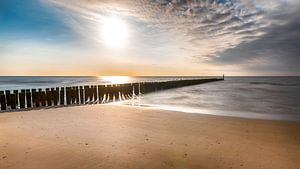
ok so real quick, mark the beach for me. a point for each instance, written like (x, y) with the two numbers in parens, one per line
(114, 136)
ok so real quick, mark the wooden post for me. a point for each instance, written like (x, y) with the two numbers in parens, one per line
(135, 88)
(13, 101)
(28, 98)
(73, 95)
(7, 94)
(121, 88)
(110, 92)
(117, 92)
(142, 87)
(100, 97)
(81, 95)
(56, 96)
(2, 101)
(49, 96)
(125, 90)
(86, 94)
(35, 99)
(16, 92)
(114, 91)
(90, 94)
(95, 94)
(42, 97)
(105, 92)
(77, 94)
(68, 95)
(62, 96)
(22, 99)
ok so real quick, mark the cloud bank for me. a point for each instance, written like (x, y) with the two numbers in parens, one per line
(259, 34)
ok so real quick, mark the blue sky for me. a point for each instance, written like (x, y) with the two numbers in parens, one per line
(31, 20)
(161, 37)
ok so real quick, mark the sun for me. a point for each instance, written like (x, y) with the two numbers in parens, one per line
(114, 32)
(116, 79)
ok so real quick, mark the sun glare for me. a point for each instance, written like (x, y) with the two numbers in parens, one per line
(116, 79)
(114, 32)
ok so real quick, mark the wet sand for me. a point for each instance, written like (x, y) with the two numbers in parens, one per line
(110, 136)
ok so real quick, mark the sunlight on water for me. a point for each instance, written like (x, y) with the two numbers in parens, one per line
(116, 79)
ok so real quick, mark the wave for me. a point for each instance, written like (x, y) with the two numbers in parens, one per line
(274, 84)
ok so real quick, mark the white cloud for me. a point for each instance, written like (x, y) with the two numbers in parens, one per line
(205, 28)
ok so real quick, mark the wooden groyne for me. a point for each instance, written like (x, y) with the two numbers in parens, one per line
(93, 94)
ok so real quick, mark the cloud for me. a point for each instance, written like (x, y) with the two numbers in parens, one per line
(276, 50)
(206, 31)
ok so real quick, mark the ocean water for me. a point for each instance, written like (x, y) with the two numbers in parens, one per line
(276, 98)
(28, 82)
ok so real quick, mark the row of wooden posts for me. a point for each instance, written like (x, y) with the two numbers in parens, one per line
(94, 94)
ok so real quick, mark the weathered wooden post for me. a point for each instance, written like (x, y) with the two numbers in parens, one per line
(49, 96)
(95, 94)
(62, 96)
(116, 92)
(86, 94)
(90, 93)
(22, 99)
(135, 88)
(73, 95)
(81, 95)
(68, 95)
(105, 92)
(100, 94)
(142, 87)
(13, 102)
(7, 94)
(35, 99)
(16, 92)
(77, 94)
(2, 101)
(56, 96)
(42, 95)
(119, 92)
(126, 90)
(110, 92)
(28, 98)
(72, 91)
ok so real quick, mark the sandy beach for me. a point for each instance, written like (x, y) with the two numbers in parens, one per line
(111, 136)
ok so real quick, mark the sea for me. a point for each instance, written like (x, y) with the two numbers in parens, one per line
(270, 98)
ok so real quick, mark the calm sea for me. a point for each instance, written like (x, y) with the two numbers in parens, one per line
(276, 98)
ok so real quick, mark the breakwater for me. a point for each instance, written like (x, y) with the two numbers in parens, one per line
(92, 94)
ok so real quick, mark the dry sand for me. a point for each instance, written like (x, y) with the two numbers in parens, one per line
(109, 136)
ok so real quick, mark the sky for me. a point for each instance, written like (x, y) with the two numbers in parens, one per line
(150, 37)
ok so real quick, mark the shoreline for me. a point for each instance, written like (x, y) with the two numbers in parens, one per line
(216, 112)
(182, 109)
(117, 136)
